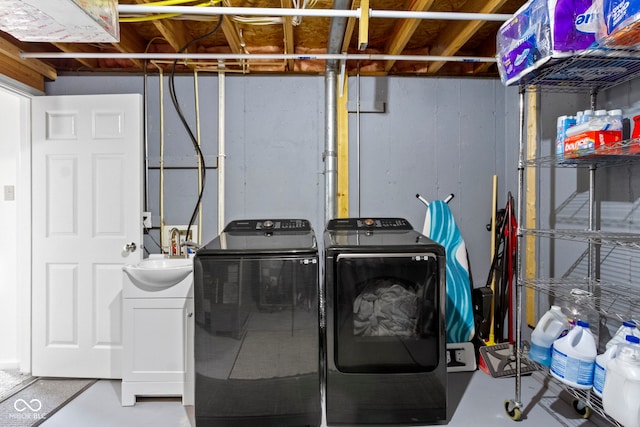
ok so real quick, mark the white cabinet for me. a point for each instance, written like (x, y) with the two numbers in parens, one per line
(158, 343)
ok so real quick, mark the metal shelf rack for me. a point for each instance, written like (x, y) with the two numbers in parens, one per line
(590, 72)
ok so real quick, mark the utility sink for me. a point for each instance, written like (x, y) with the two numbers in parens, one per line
(159, 273)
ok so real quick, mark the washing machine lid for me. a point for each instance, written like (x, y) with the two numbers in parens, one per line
(264, 235)
(373, 232)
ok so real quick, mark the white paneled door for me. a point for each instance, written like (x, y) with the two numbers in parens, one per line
(87, 204)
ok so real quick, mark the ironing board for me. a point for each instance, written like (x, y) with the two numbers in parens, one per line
(440, 226)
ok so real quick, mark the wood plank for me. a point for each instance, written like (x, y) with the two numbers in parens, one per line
(287, 27)
(131, 42)
(16, 70)
(363, 28)
(404, 31)
(351, 26)
(343, 149)
(531, 218)
(10, 50)
(231, 33)
(172, 31)
(488, 49)
(91, 63)
(456, 34)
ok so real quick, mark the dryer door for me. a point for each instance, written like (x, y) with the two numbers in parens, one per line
(387, 317)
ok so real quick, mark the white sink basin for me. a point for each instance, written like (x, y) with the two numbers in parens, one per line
(159, 273)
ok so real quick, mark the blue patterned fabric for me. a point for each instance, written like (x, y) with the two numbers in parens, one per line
(440, 226)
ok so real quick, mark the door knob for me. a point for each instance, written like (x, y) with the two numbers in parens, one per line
(130, 247)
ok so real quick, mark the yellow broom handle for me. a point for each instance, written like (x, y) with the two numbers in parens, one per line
(494, 206)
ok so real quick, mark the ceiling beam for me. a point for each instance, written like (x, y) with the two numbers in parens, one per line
(455, 35)
(404, 30)
(231, 33)
(91, 63)
(351, 26)
(10, 50)
(172, 31)
(287, 27)
(487, 49)
(130, 42)
(16, 69)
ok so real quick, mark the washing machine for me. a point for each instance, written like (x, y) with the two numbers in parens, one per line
(384, 331)
(256, 297)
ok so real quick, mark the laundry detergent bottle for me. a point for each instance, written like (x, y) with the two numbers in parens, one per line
(573, 357)
(621, 393)
(551, 326)
(600, 368)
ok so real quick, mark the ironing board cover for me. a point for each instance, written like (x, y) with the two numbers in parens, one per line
(440, 226)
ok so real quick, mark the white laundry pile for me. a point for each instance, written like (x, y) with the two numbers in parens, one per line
(385, 308)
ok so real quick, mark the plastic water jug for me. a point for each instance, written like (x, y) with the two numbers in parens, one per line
(621, 393)
(581, 306)
(550, 327)
(628, 327)
(564, 123)
(616, 119)
(600, 369)
(573, 357)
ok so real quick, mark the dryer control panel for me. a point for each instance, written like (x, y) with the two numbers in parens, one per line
(369, 224)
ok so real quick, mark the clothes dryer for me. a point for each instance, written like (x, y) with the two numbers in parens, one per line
(384, 333)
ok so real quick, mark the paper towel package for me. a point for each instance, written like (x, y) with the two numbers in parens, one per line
(620, 26)
(541, 31)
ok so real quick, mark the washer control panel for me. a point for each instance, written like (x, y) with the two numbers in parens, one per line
(369, 224)
(262, 225)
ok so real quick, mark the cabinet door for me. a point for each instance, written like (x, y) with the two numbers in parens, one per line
(154, 339)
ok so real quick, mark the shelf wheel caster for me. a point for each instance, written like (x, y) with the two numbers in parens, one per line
(513, 410)
(581, 408)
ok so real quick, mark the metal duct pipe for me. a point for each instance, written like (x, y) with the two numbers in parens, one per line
(330, 156)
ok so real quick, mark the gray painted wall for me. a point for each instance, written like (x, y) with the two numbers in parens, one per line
(436, 136)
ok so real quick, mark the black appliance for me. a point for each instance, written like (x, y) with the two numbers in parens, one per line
(257, 339)
(385, 344)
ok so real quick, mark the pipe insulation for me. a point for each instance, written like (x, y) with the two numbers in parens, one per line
(336, 12)
(249, 56)
(221, 151)
(196, 92)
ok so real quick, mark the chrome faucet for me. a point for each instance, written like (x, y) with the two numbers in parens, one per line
(174, 242)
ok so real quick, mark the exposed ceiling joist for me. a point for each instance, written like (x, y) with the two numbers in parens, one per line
(408, 37)
(130, 41)
(404, 30)
(79, 47)
(287, 27)
(173, 32)
(351, 26)
(231, 33)
(457, 34)
(10, 50)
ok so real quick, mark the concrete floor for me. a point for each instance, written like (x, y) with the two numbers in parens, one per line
(475, 399)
